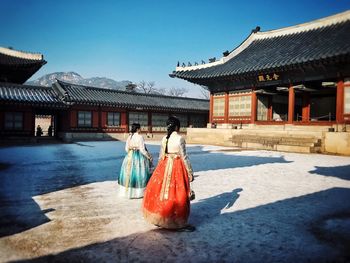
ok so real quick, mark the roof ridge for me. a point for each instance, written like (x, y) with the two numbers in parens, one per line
(21, 54)
(129, 93)
(25, 85)
(314, 24)
(303, 27)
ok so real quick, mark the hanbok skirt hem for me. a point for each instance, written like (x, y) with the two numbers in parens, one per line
(130, 192)
(134, 175)
(166, 200)
(168, 223)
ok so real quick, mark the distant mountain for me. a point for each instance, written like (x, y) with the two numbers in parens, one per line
(73, 77)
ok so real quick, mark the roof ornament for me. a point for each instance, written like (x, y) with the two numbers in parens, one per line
(178, 64)
(196, 63)
(226, 53)
(256, 30)
(213, 59)
(189, 64)
(183, 65)
(203, 62)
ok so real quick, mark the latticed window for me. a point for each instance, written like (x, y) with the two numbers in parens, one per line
(14, 120)
(347, 100)
(113, 119)
(262, 108)
(159, 121)
(219, 107)
(139, 117)
(240, 105)
(84, 119)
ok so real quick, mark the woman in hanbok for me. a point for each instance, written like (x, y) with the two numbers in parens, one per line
(135, 170)
(166, 201)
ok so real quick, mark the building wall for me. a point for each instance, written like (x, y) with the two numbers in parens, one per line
(27, 121)
(100, 129)
(310, 103)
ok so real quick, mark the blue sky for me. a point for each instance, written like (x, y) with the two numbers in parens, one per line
(143, 40)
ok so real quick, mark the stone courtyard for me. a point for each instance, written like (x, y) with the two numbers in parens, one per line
(59, 203)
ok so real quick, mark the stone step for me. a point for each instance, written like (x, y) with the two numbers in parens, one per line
(286, 144)
(275, 140)
(297, 134)
(294, 148)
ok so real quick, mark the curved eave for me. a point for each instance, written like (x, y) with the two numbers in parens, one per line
(57, 105)
(280, 67)
(220, 69)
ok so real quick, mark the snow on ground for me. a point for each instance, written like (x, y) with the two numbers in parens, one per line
(59, 203)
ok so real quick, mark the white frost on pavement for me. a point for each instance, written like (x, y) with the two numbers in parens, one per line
(251, 206)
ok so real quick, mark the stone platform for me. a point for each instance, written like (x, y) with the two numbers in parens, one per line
(287, 138)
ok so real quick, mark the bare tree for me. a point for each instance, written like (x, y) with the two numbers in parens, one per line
(150, 86)
(178, 92)
(146, 87)
(142, 86)
(205, 92)
(160, 91)
(131, 87)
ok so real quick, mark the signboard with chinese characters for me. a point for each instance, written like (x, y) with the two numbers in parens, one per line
(268, 77)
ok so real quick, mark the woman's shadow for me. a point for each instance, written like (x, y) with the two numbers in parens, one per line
(206, 210)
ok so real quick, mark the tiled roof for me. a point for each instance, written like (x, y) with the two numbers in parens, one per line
(89, 95)
(17, 66)
(11, 93)
(326, 39)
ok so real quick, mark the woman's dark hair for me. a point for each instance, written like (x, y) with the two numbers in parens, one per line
(134, 128)
(172, 124)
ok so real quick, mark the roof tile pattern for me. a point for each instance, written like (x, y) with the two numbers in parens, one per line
(90, 95)
(75, 94)
(28, 94)
(277, 52)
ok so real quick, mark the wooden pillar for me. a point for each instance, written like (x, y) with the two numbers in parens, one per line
(104, 116)
(306, 107)
(99, 118)
(226, 108)
(32, 118)
(340, 102)
(150, 122)
(189, 121)
(269, 109)
(73, 119)
(211, 108)
(124, 121)
(291, 104)
(28, 122)
(95, 119)
(254, 105)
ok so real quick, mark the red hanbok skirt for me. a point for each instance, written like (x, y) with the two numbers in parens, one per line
(166, 199)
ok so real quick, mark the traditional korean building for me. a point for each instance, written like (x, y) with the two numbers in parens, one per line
(283, 87)
(105, 113)
(79, 112)
(298, 75)
(18, 66)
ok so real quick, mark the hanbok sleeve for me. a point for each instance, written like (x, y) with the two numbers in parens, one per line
(186, 159)
(127, 143)
(143, 148)
(162, 149)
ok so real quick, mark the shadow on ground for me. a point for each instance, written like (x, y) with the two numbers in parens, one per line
(275, 232)
(342, 172)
